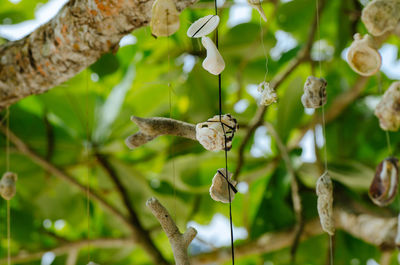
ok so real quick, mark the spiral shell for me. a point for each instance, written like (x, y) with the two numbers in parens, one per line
(164, 18)
(314, 92)
(219, 187)
(268, 95)
(324, 191)
(210, 134)
(381, 16)
(388, 109)
(383, 188)
(363, 56)
(7, 185)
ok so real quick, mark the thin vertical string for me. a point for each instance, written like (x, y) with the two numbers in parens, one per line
(263, 47)
(8, 202)
(225, 149)
(171, 150)
(88, 166)
(8, 233)
(7, 139)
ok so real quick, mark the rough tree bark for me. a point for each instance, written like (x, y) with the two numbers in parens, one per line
(74, 39)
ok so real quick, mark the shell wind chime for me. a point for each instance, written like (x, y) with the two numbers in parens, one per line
(219, 187)
(268, 94)
(314, 92)
(8, 185)
(381, 17)
(164, 18)
(363, 55)
(388, 108)
(256, 4)
(324, 189)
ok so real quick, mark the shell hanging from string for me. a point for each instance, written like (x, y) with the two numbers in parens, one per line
(314, 92)
(381, 16)
(8, 185)
(164, 18)
(219, 187)
(383, 188)
(363, 55)
(397, 239)
(388, 108)
(268, 94)
(203, 26)
(256, 4)
(211, 136)
(324, 189)
(213, 63)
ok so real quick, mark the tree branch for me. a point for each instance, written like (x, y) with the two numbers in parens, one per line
(179, 242)
(74, 39)
(151, 128)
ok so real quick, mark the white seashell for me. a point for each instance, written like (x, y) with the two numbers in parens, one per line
(210, 134)
(219, 187)
(363, 57)
(7, 185)
(268, 95)
(388, 109)
(381, 16)
(213, 63)
(203, 26)
(314, 92)
(324, 191)
(164, 18)
(383, 188)
(256, 4)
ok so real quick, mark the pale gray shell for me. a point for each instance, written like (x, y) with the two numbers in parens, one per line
(324, 189)
(210, 134)
(268, 94)
(219, 187)
(363, 56)
(7, 185)
(164, 18)
(314, 92)
(381, 16)
(388, 109)
(203, 26)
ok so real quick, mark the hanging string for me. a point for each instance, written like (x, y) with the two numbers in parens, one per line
(8, 233)
(263, 48)
(86, 154)
(7, 119)
(225, 140)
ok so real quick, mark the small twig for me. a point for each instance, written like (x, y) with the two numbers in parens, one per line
(179, 242)
(151, 128)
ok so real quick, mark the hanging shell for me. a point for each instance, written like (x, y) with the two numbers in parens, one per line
(314, 92)
(383, 188)
(219, 187)
(381, 16)
(210, 134)
(324, 191)
(363, 56)
(388, 109)
(268, 95)
(213, 63)
(203, 26)
(7, 185)
(164, 18)
(397, 240)
(256, 4)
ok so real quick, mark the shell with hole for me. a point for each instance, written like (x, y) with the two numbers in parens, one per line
(324, 191)
(381, 16)
(256, 4)
(210, 134)
(219, 187)
(314, 92)
(383, 188)
(213, 63)
(363, 56)
(388, 108)
(7, 185)
(203, 26)
(164, 18)
(268, 94)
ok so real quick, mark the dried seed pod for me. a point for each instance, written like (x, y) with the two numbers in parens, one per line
(381, 16)
(383, 188)
(219, 187)
(256, 4)
(397, 240)
(324, 190)
(7, 185)
(213, 63)
(314, 92)
(388, 109)
(268, 95)
(363, 56)
(210, 134)
(164, 18)
(203, 26)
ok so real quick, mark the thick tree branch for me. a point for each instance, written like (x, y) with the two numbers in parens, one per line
(151, 128)
(79, 34)
(179, 242)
